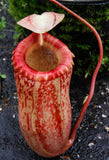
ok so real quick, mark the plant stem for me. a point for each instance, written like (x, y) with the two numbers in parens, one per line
(41, 39)
(78, 121)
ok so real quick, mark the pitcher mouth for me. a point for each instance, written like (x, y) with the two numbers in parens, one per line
(42, 61)
(42, 58)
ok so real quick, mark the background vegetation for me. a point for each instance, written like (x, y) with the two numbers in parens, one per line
(72, 32)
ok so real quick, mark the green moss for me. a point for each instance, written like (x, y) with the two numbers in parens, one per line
(72, 32)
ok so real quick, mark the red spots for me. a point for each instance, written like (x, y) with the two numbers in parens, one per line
(28, 125)
(44, 112)
(22, 105)
(47, 117)
(44, 104)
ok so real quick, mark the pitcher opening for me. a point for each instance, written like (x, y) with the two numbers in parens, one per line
(41, 59)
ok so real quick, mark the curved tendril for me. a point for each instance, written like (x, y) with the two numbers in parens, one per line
(92, 87)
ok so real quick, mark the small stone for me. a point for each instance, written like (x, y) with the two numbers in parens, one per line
(91, 156)
(102, 93)
(107, 89)
(104, 116)
(91, 144)
(101, 122)
(13, 116)
(79, 140)
(80, 127)
(96, 126)
(71, 107)
(4, 59)
(99, 106)
(78, 155)
(107, 128)
(99, 137)
(0, 109)
(15, 97)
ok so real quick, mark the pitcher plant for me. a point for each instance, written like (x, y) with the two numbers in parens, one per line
(43, 68)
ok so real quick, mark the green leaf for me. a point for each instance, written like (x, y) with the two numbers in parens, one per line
(2, 23)
(2, 76)
(86, 75)
(2, 35)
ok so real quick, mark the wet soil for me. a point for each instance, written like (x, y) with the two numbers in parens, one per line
(92, 139)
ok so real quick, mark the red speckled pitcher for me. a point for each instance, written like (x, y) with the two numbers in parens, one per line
(42, 75)
(42, 68)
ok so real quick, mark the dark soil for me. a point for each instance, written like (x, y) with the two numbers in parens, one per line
(92, 139)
